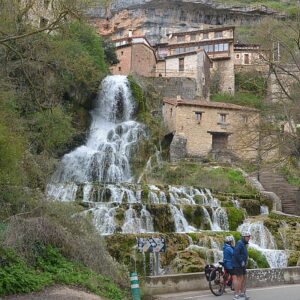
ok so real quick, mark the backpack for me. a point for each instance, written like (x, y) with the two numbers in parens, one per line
(207, 271)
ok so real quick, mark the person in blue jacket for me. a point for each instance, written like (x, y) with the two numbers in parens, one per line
(228, 253)
(240, 258)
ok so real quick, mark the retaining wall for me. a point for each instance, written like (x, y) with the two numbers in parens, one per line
(155, 285)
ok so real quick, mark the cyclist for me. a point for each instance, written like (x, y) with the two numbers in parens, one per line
(240, 257)
(228, 253)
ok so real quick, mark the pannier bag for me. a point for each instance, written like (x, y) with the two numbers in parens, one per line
(207, 271)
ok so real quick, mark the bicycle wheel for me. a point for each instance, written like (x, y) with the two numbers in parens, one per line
(216, 282)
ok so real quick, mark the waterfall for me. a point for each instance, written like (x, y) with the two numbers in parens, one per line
(181, 223)
(220, 219)
(103, 219)
(263, 241)
(135, 224)
(216, 249)
(105, 156)
(264, 210)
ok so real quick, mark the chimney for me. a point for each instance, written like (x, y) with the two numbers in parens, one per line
(130, 33)
(178, 97)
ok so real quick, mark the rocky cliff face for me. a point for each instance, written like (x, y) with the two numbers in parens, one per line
(156, 18)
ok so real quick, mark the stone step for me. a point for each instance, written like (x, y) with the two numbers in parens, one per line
(288, 194)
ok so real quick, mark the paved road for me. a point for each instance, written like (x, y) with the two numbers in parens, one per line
(284, 292)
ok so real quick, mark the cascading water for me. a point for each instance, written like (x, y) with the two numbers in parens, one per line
(98, 173)
(105, 156)
(263, 241)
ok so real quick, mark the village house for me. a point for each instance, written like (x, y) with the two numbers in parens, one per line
(201, 128)
(194, 64)
(250, 57)
(135, 55)
(217, 43)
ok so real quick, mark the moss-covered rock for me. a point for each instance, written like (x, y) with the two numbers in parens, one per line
(189, 261)
(162, 218)
(252, 206)
(195, 216)
(293, 259)
(235, 217)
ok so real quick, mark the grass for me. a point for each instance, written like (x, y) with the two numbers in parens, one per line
(16, 276)
(221, 179)
(240, 98)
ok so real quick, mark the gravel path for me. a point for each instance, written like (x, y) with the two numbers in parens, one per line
(57, 293)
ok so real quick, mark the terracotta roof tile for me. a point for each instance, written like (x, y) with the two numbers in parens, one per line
(211, 104)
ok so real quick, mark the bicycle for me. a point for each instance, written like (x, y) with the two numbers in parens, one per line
(219, 278)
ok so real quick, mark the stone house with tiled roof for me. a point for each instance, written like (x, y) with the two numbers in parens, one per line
(200, 128)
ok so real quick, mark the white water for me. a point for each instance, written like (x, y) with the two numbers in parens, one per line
(263, 241)
(98, 172)
(105, 156)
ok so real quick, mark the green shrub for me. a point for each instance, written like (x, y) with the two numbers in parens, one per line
(235, 217)
(53, 129)
(51, 267)
(259, 258)
(17, 277)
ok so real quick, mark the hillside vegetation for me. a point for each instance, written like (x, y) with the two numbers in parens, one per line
(282, 6)
(48, 80)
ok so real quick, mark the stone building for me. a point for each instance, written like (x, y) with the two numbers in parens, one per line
(250, 57)
(217, 43)
(135, 55)
(201, 128)
(194, 64)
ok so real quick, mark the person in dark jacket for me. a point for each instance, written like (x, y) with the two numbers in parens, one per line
(240, 258)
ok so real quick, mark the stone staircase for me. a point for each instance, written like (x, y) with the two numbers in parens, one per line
(289, 195)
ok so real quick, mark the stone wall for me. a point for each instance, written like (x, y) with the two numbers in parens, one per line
(124, 65)
(196, 65)
(155, 285)
(135, 58)
(225, 70)
(143, 60)
(178, 148)
(173, 87)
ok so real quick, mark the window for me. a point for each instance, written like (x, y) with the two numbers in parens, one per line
(205, 36)
(193, 37)
(237, 56)
(122, 52)
(120, 68)
(180, 38)
(205, 47)
(171, 112)
(218, 34)
(222, 118)
(198, 116)
(219, 47)
(246, 59)
(210, 48)
(181, 64)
